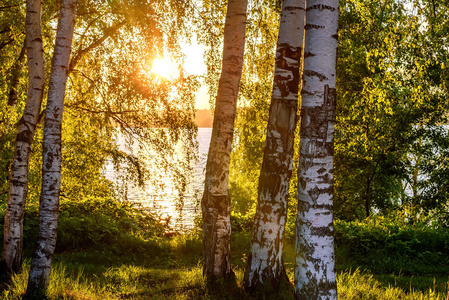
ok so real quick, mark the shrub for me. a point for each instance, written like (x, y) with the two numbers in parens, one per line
(97, 223)
(386, 246)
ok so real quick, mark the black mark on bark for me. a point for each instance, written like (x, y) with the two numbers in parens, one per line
(322, 231)
(312, 26)
(309, 54)
(312, 73)
(315, 123)
(286, 77)
(321, 7)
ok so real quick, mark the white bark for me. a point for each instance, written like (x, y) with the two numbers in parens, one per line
(18, 183)
(315, 264)
(51, 164)
(216, 204)
(265, 269)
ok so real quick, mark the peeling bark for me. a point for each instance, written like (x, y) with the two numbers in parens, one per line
(315, 263)
(51, 156)
(216, 204)
(18, 183)
(265, 268)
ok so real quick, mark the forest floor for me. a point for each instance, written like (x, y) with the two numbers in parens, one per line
(113, 250)
(174, 272)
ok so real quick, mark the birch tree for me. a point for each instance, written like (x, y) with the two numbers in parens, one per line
(13, 228)
(216, 204)
(315, 263)
(51, 156)
(265, 267)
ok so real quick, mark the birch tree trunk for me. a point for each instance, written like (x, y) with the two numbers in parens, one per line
(216, 204)
(51, 157)
(315, 263)
(18, 182)
(265, 269)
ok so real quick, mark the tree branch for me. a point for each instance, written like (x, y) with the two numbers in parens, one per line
(9, 6)
(3, 45)
(107, 33)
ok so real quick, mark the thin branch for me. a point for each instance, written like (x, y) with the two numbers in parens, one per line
(102, 111)
(10, 6)
(107, 33)
(84, 34)
(3, 45)
(7, 29)
(87, 13)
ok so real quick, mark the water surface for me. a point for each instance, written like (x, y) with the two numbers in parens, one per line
(160, 194)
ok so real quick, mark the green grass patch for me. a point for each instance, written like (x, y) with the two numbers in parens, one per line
(108, 249)
(363, 285)
(140, 282)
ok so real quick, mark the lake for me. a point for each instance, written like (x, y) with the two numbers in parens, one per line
(162, 197)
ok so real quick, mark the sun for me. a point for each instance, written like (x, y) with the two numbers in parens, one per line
(164, 67)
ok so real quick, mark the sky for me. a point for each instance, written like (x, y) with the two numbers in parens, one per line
(194, 65)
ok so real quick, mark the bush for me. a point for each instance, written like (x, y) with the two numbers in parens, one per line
(97, 223)
(385, 246)
(242, 222)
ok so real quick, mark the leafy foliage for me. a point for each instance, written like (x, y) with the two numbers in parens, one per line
(389, 100)
(111, 92)
(385, 246)
(97, 224)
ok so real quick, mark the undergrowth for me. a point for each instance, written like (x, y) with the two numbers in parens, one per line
(108, 249)
(137, 282)
(391, 247)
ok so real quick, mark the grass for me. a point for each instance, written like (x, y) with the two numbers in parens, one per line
(108, 250)
(125, 282)
(175, 272)
(139, 282)
(363, 285)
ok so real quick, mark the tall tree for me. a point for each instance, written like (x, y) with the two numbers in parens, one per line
(315, 262)
(256, 87)
(376, 109)
(216, 203)
(265, 269)
(13, 228)
(51, 156)
(98, 28)
(392, 96)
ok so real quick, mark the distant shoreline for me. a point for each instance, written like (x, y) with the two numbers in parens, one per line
(204, 118)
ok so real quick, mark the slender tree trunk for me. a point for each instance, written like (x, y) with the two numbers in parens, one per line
(216, 204)
(15, 74)
(315, 263)
(415, 175)
(265, 270)
(51, 157)
(18, 183)
(16, 71)
(368, 195)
